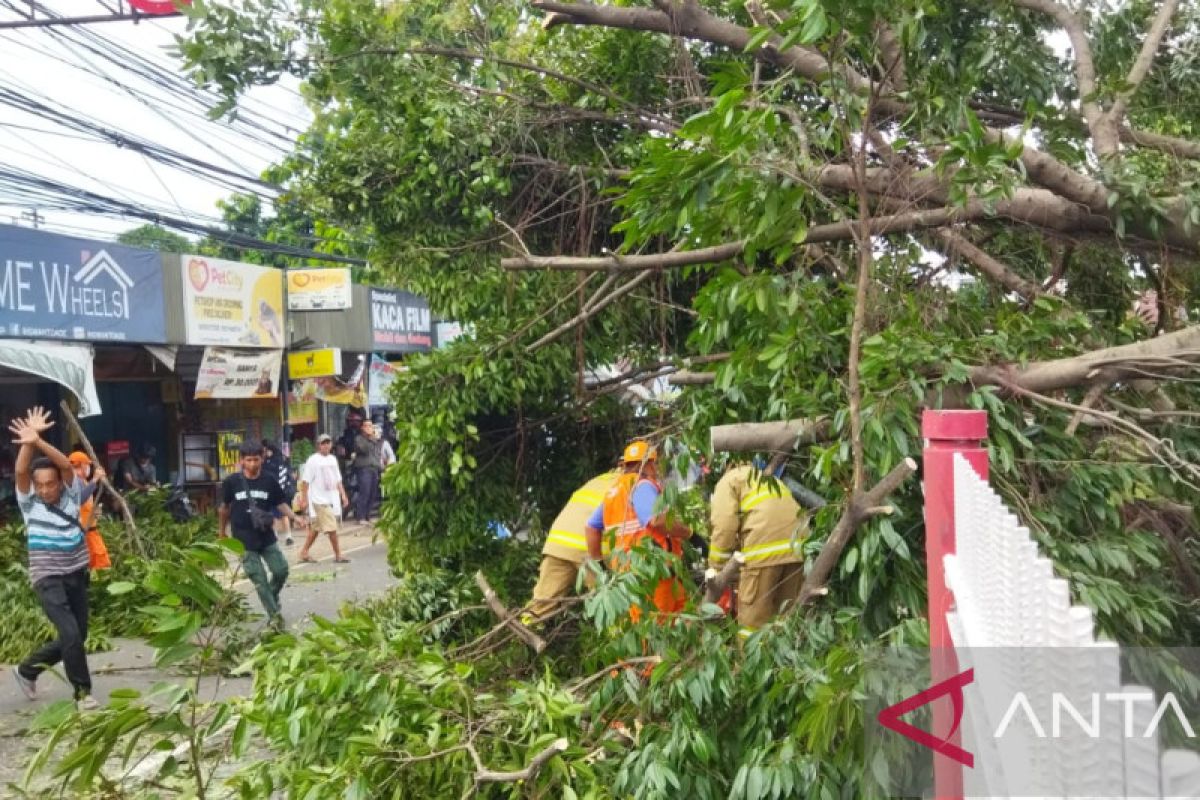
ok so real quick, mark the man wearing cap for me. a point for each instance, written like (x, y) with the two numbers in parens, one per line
(628, 510)
(322, 493)
(758, 517)
(566, 547)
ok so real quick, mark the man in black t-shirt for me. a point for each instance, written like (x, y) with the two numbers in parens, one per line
(247, 501)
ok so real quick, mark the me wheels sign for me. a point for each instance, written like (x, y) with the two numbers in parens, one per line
(60, 287)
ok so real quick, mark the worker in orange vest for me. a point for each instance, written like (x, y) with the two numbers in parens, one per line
(628, 511)
(566, 548)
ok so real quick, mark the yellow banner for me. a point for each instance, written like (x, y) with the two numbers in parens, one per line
(229, 454)
(315, 363)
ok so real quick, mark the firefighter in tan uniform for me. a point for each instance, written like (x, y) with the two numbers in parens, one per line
(566, 548)
(758, 517)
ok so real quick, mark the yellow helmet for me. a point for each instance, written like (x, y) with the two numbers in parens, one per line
(638, 451)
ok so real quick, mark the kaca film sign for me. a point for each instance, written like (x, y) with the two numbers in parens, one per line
(400, 322)
(60, 287)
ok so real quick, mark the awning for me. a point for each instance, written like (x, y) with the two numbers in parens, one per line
(69, 365)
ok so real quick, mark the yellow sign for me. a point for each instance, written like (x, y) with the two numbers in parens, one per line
(315, 363)
(229, 454)
(301, 412)
(318, 289)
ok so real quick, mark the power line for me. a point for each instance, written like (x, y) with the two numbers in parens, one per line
(64, 197)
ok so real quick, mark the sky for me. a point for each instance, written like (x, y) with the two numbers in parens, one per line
(50, 65)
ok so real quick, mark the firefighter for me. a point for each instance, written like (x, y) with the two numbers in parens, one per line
(628, 509)
(566, 548)
(758, 516)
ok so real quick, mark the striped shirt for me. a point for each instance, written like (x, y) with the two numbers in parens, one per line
(56, 546)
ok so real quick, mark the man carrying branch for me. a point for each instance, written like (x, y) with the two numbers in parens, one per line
(49, 495)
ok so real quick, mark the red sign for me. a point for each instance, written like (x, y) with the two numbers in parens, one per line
(158, 6)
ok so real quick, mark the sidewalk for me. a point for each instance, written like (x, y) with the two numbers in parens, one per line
(313, 589)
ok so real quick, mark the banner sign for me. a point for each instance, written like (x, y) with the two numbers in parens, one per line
(229, 456)
(231, 303)
(60, 287)
(400, 322)
(318, 289)
(301, 412)
(331, 390)
(315, 363)
(231, 374)
(382, 376)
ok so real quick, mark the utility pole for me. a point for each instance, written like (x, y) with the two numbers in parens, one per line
(34, 217)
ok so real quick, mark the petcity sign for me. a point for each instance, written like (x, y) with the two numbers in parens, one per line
(231, 303)
(400, 322)
(61, 287)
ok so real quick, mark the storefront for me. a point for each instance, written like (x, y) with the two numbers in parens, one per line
(75, 316)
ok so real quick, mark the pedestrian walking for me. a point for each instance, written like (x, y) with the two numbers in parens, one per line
(367, 460)
(247, 499)
(49, 496)
(275, 464)
(321, 492)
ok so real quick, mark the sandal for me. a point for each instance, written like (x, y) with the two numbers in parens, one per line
(307, 560)
(341, 561)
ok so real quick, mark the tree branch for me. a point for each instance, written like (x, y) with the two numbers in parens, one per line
(483, 775)
(595, 307)
(748, 437)
(862, 506)
(506, 617)
(1085, 69)
(987, 264)
(1141, 66)
(1117, 363)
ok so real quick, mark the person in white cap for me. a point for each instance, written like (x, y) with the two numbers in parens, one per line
(322, 479)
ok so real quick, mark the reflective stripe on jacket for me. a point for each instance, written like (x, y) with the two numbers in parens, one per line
(566, 539)
(758, 517)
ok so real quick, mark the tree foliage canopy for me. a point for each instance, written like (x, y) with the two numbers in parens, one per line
(856, 209)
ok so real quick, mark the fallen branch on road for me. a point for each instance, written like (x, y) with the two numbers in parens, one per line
(508, 618)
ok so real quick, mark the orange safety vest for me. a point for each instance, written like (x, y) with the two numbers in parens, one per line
(619, 514)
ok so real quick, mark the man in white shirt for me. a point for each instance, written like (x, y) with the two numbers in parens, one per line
(322, 478)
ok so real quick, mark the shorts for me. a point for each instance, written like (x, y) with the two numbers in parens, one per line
(276, 513)
(326, 520)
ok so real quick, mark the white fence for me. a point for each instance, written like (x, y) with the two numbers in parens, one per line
(1007, 596)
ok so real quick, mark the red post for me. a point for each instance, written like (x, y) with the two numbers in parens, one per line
(946, 433)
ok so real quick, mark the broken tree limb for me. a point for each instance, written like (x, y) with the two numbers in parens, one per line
(716, 583)
(595, 307)
(1168, 355)
(862, 506)
(484, 775)
(130, 525)
(686, 377)
(506, 617)
(747, 437)
(988, 264)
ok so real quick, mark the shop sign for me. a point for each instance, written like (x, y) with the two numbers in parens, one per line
(315, 363)
(318, 289)
(447, 332)
(382, 376)
(238, 374)
(229, 455)
(230, 303)
(400, 322)
(60, 287)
